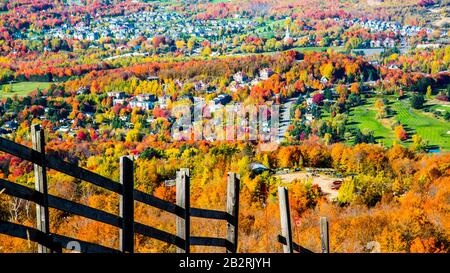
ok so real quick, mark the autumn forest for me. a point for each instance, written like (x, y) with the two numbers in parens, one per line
(357, 94)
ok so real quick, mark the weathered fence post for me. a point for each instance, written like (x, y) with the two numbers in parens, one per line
(285, 219)
(40, 176)
(233, 188)
(126, 233)
(182, 198)
(324, 235)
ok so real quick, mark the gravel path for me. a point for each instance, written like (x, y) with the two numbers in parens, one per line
(324, 181)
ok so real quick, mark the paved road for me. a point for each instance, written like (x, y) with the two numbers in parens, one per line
(285, 117)
(132, 54)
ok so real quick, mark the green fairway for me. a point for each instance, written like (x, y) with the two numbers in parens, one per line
(316, 49)
(440, 108)
(364, 118)
(430, 128)
(434, 130)
(264, 32)
(23, 88)
(319, 49)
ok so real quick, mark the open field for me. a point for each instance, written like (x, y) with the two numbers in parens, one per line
(23, 88)
(323, 181)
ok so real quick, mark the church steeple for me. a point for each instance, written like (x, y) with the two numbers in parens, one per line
(287, 35)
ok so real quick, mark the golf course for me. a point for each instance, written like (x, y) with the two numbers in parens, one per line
(432, 129)
(22, 88)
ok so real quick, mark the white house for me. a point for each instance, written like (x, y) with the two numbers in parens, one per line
(144, 105)
(239, 77)
(375, 43)
(265, 73)
(389, 43)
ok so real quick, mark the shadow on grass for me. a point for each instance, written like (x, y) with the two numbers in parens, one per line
(352, 123)
(427, 107)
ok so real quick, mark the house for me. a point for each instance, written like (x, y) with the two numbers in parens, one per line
(424, 46)
(64, 129)
(265, 73)
(254, 82)
(222, 99)
(375, 43)
(403, 43)
(389, 43)
(82, 91)
(233, 87)
(4, 132)
(89, 114)
(118, 101)
(218, 103)
(146, 97)
(12, 125)
(152, 78)
(163, 101)
(393, 66)
(117, 95)
(199, 101)
(92, 36)
(324, 80)
(257, 168)
(200, 85)
(239, 77)
(211, 90)
(144, 105)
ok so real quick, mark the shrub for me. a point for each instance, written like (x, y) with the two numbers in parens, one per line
(417, 101)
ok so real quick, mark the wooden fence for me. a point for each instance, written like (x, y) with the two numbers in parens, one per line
(289, 246)
(51, 242)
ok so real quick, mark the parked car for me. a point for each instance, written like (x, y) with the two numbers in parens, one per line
(336, 185)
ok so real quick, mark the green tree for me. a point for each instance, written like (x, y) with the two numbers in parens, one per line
(417, 101)
(448, 91)
(150, 153)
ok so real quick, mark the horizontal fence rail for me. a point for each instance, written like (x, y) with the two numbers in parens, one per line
(26, 233)
(209, 214)
(55, 202)
(59, 165)
(48, 242)
(209, 241)
(53, 241)
(295, 247)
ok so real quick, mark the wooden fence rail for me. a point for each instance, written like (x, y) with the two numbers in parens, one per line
(289, 246)
(50, 242)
